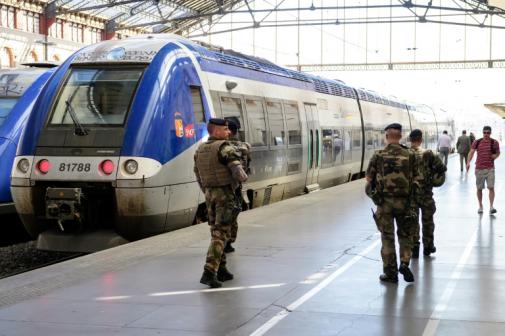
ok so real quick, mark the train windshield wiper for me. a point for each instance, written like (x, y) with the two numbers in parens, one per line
(79, 129)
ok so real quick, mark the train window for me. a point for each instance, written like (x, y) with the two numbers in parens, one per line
(276, 123)
(96, 96)
(347, 145)
(369, 138)
(198, 110)
(356, 138)
(232, 108)
(338, 146)
(293, 123)
(257, 122)
(327, 148)
(6, 105)
(376, 139)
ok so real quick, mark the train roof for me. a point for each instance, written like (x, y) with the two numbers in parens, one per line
(145, 48)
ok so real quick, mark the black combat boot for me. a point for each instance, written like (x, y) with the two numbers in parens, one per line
(209, 279)
(223, 274)
(406, 272)
(429, 250)
(388, 278)
(228, 248)
(415, 251)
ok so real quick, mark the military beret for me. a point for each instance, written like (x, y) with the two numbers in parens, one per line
(416, 134)
(233, 124)
(395, 126)
(218, 121)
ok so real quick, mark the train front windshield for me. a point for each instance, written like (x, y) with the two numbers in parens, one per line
(6, 106)
(96, 96)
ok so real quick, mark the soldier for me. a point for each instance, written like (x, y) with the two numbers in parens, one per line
(245, 150)
(431, 173)
(218, 170)
(390, 183)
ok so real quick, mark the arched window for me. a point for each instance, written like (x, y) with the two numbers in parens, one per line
(7, 57)
(33, 56)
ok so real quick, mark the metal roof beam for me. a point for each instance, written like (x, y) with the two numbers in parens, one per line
(103, 5)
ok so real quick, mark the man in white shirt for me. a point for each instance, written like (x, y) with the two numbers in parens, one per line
(444, 146)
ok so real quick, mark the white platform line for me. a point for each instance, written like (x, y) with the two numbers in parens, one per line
(434, 321)
(290, 308)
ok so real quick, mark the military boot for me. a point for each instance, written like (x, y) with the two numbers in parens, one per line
(388, 278)
(228, 248)
(223, 274)
(429, 250)
(406, 272)
(389, 275)
(209, 279)
(415, 251)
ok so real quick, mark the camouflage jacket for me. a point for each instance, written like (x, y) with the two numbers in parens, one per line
(431, 170)
(393, 171)
(245, 151)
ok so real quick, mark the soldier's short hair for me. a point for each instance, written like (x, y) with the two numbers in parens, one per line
(213, 122)
(233, 124)
(394, 133)
(416, 135)
(487, 128)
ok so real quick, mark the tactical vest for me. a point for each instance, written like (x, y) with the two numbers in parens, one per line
(395, 167)
(212, 172)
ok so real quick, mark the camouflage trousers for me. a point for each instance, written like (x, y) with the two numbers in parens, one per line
(391, 210)
(236, 212)
(220, 206)
(427, 208)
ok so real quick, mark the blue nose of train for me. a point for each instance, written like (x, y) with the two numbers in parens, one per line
(7, 154)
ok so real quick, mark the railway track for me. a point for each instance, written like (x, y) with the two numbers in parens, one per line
(24, 257)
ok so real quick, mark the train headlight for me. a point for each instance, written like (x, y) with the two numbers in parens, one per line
(131, 166)
(24, 165)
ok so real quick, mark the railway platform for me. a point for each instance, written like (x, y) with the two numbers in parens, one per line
(304, 266)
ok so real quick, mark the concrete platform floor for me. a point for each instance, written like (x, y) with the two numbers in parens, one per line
(305, 266)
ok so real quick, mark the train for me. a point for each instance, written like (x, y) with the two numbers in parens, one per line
(18, 90)
(107, 154)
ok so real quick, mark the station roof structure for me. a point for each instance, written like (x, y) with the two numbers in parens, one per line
(185, 16)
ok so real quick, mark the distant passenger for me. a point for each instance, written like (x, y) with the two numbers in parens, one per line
(245, 158)
(431, 174)
(444, 146)
(463, 147)
(218, 170)
(472, 137)
(488, 150)
(390, 183)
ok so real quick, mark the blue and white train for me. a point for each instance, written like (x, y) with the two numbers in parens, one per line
(108, 152)
(18, 92)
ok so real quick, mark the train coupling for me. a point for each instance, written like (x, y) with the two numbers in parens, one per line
(63, 204)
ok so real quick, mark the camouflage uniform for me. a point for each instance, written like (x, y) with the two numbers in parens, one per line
(393, 171)
(220, 201)
(245, 159)
(428, 163)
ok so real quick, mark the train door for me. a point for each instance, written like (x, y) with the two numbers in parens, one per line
(313, 145)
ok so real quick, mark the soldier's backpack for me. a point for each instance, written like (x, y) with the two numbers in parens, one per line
(393, 180)
(436, 167)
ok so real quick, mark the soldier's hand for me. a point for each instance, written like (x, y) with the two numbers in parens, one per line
(468, 166)
(238, 172)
